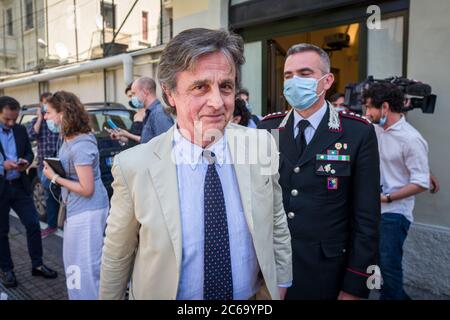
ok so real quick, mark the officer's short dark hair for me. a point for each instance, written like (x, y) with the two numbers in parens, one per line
(9, 103)
(308, 47)
(385, 92)
(336, 96)
(45, 95)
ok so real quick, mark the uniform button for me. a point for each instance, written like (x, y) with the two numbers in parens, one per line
(343, 250)
(297, 169)
(291, 215)
(294, 192)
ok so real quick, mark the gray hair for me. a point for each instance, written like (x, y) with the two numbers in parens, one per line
(307, 47)
(183, 51)
(147, 84)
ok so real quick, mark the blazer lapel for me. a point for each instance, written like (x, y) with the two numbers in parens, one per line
(19, 146)
(240, 153)
(164, 175)
(322, 139)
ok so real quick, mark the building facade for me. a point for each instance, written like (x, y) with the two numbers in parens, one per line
(45, 42)
(382, 38)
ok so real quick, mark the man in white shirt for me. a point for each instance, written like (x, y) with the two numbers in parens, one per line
(404, 173)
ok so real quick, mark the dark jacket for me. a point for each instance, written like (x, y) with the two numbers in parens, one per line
(333, 207)
(24, 151)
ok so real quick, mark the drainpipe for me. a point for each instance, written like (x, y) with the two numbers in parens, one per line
(94, 65)
(75, 28)
(128, 72)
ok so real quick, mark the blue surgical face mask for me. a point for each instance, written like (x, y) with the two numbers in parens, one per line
(248, 106)
(383, 120)
(52, 126)
(301, 93)
(44, 107)
(138, 104)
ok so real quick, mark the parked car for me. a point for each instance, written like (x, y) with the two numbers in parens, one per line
(99, 113)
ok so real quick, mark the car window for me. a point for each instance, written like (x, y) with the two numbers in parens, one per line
(98, 120)
(26, 119)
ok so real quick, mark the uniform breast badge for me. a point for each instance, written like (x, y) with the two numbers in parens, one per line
(332, 183)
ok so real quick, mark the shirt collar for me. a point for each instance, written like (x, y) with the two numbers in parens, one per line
(2, 129)
(187, 152)
(398, 125)
(314, 119)
(150, 107)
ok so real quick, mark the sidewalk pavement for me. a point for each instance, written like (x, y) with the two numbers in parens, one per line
(35, 288)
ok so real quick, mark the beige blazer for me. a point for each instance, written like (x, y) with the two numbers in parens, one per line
(143, 234)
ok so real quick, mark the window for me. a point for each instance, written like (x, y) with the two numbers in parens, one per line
(98, 120)
(108, 12)
(9, 22)
(389, 61)
(144, 26)
(29, 22)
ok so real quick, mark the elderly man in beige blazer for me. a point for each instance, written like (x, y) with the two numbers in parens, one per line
(197, 212)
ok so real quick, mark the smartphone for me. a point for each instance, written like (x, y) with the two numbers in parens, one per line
(112, 124)
(22, 163)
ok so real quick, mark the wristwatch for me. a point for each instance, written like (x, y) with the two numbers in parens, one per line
(388, 197)
(56, 176)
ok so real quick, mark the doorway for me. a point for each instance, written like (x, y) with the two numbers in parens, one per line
(340, 42)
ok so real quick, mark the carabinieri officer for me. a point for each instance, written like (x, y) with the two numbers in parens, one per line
(329, 173)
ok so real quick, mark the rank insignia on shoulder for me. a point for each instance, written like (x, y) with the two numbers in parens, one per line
(274, 115)
(332, 183)
(355, 116)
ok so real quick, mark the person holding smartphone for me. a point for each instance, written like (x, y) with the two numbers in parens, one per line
(15, 193)
(82, 191)
(46, 136)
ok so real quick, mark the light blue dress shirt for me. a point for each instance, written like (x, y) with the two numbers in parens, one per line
(191, 172)
(156, 121)
(314, 122)
(9, 147)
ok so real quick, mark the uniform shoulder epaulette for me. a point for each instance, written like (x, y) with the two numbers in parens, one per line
(355, 116)
(274, 115)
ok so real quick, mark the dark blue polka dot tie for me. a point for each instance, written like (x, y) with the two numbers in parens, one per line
(218, 281)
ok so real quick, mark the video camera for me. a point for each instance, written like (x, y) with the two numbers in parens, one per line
(417, 94)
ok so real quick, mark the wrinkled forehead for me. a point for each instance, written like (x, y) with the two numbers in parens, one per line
(214, 62)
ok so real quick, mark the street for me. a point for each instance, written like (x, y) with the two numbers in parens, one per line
(35, 288)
